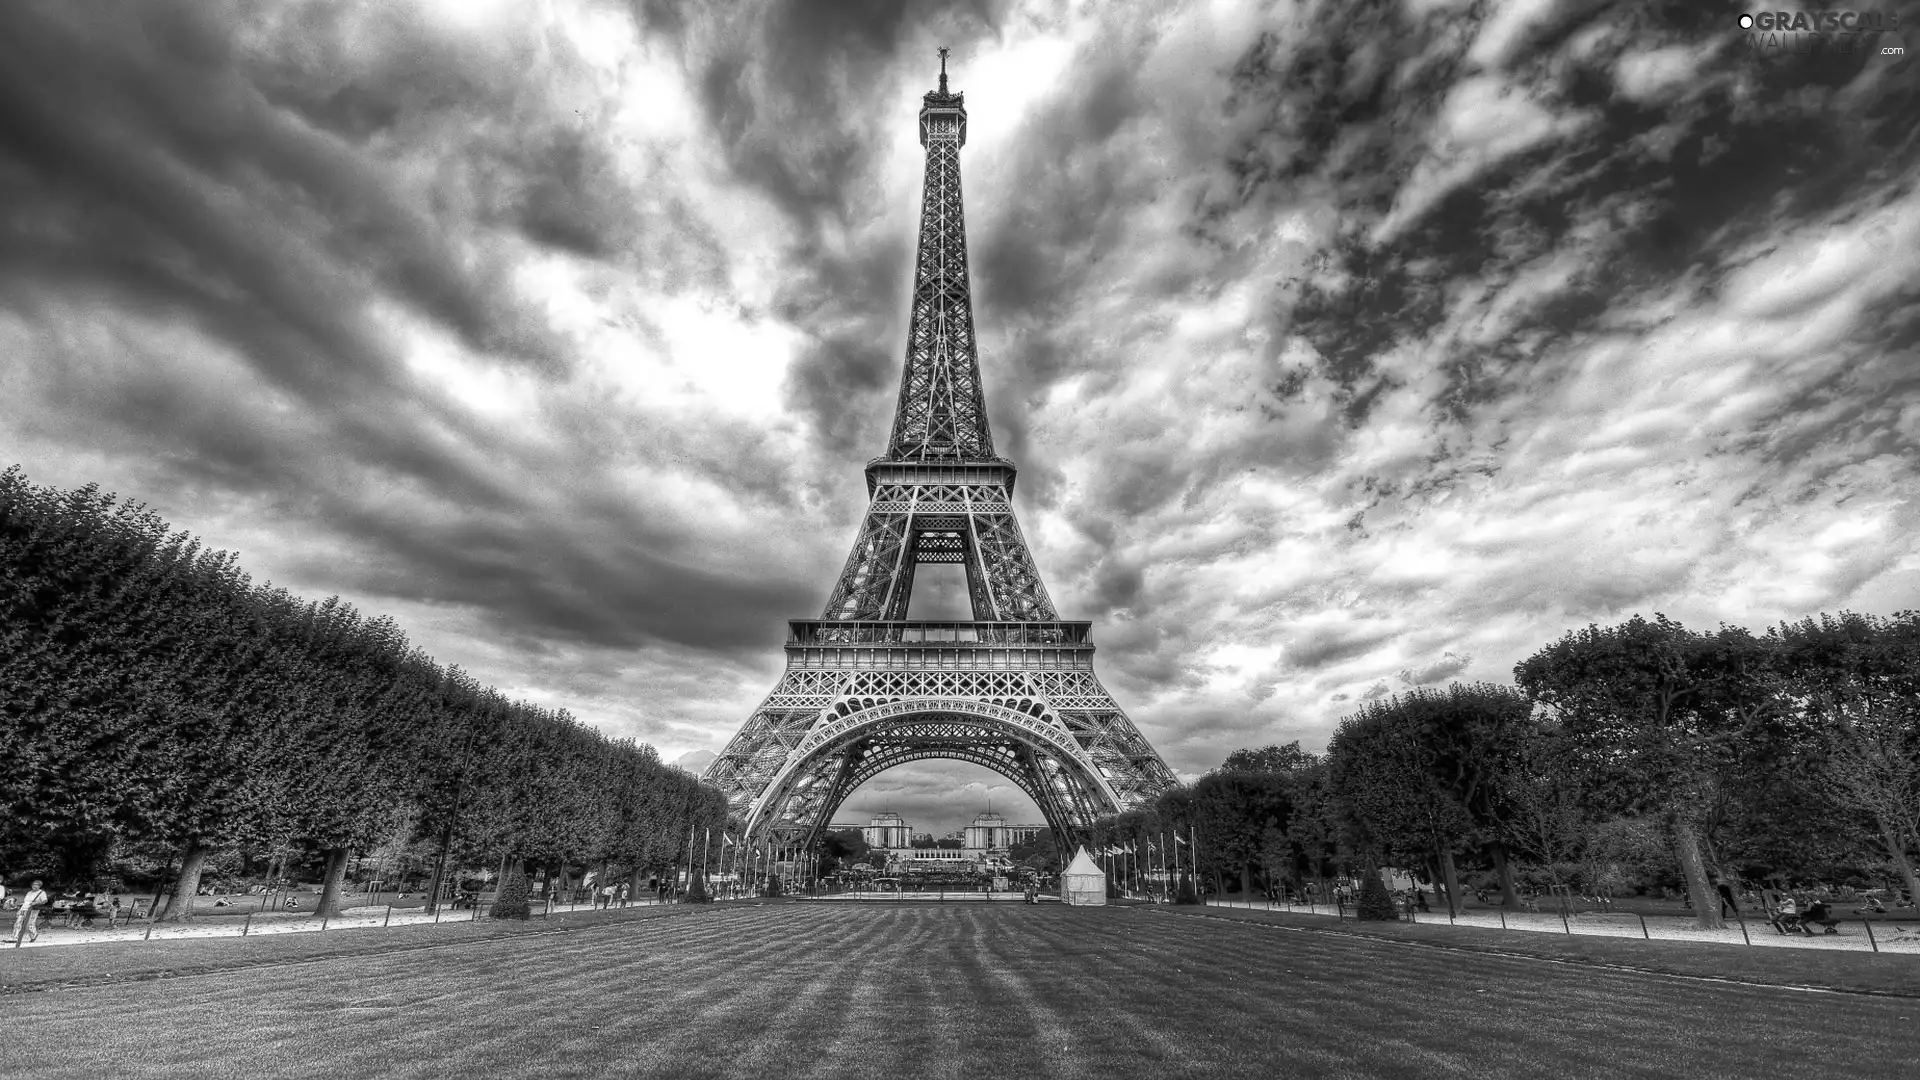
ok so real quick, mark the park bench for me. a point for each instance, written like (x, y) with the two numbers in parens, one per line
(84, 916)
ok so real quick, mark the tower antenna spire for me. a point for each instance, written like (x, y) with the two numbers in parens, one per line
(943, 69)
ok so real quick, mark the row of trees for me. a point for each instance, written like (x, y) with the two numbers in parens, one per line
(151, 695)
(1792, 755)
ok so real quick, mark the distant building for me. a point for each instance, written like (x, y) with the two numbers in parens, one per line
(945, 855)
(990, 832)
(888, 830)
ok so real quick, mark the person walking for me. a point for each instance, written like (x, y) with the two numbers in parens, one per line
(28, 921)
(1727, 901)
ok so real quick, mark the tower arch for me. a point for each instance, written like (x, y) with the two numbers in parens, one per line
(833, 759)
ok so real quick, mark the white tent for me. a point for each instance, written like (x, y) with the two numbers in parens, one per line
(1083, 882)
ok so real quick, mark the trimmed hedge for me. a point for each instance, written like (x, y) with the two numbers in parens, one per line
(512, 901)
(1186, 895)
(1375, 902)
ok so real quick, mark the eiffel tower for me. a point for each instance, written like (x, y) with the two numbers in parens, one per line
(865, 689)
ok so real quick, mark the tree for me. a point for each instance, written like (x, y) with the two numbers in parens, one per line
(1540, 812)
(155, 703)
(1233, 812)
(1858, 678)
(1658, 718)
(1042, 853)
(1466, 738)
(1269, 759)
(1383, 773)
(845, 847)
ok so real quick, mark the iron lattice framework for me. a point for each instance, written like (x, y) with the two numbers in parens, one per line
(865, 689)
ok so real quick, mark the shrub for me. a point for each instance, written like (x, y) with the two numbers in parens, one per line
(512, 901)
(1186, 895)
(697, 890)
(773, 886)
(1375, 902)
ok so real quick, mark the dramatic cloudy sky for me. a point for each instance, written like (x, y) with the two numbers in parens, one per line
(1344, 346)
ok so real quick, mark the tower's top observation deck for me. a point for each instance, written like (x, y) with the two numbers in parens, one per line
(948, 112)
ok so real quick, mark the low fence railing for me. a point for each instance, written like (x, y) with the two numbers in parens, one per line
(265, 921)
(1855, 934)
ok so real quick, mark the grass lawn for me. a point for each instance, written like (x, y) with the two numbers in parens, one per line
(925, 990)
(1854, 970)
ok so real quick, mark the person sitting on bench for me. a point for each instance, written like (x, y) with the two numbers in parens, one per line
(1818, 915)
(1786, 916)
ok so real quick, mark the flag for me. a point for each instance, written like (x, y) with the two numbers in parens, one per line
(726, 841)
(1178, 839)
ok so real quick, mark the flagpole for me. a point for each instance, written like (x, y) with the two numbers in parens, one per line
(1172, 886)
(690, 831)
(1193, 841)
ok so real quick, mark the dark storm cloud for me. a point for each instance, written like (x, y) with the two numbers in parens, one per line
(1338, 353)
(1322, 646)
(787, 87)
(1446, 667)
(1752, 155)
(845, 379)
(154, 123)
(153, 161)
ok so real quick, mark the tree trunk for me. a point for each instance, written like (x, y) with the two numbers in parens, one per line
(180, 897)
(1693, 865)
(1246, 881)
(160, 893)
(1509, 896)
(1901, 863)
(330, 881)
(434, 884)
(1452, 877)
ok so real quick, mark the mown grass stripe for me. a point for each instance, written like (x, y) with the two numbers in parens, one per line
(929, 991)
